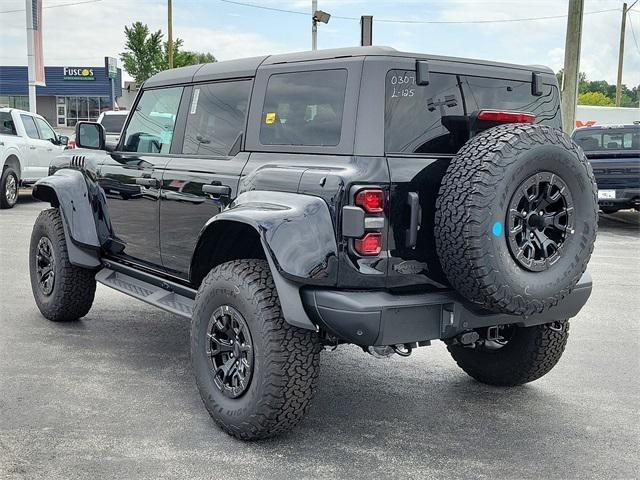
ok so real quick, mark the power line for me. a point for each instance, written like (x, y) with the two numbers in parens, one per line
(425, 22)
(54, 6)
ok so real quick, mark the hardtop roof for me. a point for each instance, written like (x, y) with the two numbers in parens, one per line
(247, 67)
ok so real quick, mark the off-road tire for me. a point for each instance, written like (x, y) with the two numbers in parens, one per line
(286, 358)
(531, 353)
(8, 173)
(74, 287)
(472, 211)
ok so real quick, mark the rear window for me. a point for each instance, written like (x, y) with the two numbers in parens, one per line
(304, 108)
(113, 123)
(433, 118)
(601, 140)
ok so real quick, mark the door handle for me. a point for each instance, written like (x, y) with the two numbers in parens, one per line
(415, 218)
(148, 182)
(32, 148)
(217, 190)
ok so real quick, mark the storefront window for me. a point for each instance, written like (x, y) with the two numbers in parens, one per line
(82, 108)
(15, 101)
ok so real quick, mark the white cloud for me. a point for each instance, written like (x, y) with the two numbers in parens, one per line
(543, 41)
(84, 36)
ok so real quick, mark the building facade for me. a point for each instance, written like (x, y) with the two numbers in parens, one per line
(72, 93)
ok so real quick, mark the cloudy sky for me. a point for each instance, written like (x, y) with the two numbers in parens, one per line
(82, 34)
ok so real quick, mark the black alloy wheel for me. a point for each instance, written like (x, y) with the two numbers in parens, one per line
(539, 221)
(230, 351)
(45, 266)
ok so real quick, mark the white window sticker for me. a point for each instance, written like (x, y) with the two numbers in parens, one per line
(194, 101)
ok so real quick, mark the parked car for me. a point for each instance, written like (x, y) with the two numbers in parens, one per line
(614, 154)
(113, 121)
(293, 202)
(27, 145)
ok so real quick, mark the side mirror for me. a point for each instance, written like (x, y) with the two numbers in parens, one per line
(90, 135)
(63, 140)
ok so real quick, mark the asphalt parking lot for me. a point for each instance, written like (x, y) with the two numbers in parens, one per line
(112, 396)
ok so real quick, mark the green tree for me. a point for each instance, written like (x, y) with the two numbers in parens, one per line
(143, 56)
(595, 98)
(183, 58)
(146, 54)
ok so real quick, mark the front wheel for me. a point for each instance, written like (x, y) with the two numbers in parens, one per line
(63, 292)
(255, 372)
(515, 356)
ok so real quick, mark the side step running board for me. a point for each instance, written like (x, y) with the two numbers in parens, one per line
(163, 297)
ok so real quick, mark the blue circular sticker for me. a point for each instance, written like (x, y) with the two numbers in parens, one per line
(497, 229)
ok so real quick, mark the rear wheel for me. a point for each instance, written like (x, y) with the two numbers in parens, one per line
(63, 292)
(8, 188)
(255, 372)
(517, 355)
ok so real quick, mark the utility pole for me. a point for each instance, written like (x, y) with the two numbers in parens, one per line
(314, 25)
(31, 57)
(170, 34)
(569, 85)
(366, 30)
(621, 51)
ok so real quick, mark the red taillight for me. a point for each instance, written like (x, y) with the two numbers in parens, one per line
(507, 117)
(370, 244)
(372, 201)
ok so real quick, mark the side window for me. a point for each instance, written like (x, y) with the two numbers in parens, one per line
(45, 130)
(216, 117)
(150, 129)
(304, 108)
(29, 126)
(7, 127)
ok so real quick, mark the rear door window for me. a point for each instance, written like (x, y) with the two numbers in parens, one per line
(434, 118)
(150, 129)
(304, 108)
(594, 140)
(216, 117)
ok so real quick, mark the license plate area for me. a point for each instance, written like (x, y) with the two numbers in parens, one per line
(606, 194)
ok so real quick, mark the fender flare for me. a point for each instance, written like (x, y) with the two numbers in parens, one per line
(297, 235)
(67, 190)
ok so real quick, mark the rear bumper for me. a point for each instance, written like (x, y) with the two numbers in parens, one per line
(382, 318)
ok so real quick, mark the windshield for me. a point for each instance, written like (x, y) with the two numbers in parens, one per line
(113, 123)
(606, 139)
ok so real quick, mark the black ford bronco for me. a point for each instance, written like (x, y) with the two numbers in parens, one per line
(293, 202)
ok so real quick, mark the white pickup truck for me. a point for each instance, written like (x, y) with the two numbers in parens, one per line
(27, 146)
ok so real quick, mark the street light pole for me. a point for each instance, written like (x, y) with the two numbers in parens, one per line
(569, 85)
(314, 25)
(170, 33)
(31, 57)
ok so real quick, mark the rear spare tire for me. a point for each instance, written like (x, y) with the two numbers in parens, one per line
(516, 218)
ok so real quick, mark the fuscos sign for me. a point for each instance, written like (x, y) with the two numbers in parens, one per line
(78, 73)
